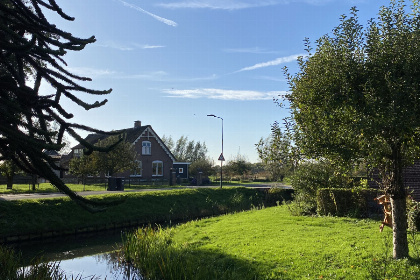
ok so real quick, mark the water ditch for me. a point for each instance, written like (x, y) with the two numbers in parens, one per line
(90, 256)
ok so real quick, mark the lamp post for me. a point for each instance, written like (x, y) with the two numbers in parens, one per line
(221, 157)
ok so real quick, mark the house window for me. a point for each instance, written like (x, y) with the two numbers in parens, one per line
(181, 170)
(157, 168)
(78, 152)
(138, 171)
(146, 148)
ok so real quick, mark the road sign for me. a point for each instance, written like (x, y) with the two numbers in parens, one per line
(221, 157)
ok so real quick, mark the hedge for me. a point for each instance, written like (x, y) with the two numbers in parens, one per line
(348, 202)
(275, 196)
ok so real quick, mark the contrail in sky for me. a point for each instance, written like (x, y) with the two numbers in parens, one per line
(161, 19)
(275, 62)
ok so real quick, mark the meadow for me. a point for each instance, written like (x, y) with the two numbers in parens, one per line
(270, 244)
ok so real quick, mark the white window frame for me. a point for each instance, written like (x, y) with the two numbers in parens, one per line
(78, 152)
(157, 168)
(181, 170)
(146, 148)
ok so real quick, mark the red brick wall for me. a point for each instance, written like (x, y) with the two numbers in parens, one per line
(411, 178)
(157, 154)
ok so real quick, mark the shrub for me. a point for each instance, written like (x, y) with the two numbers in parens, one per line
(277, 196)
(355, 202)
(413, 209)
(311, 176)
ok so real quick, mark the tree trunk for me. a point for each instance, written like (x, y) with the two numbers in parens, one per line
(9, 183)
(399, 205)
(34, 181)
(399, 228)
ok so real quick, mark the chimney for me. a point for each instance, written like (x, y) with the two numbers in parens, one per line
(137, 124)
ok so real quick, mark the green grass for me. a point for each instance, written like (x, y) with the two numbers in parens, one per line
(12, 269)
(48, 188)
(35, 216)
(272, 244)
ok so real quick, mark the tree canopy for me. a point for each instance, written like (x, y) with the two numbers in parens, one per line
(357, 96)
(186, 150)
(121, 158)
(275, 152)
(31, 53)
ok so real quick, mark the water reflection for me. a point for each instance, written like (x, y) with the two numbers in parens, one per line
(99, 267)
(87, 257)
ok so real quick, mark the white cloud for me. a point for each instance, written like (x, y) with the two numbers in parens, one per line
(255, 50)
(152, 76)
(269, 78)
(90, 72)
(127, 47)
(224, 94)
(151, 47)
(163, 76)
(161, 19)
(219, 4)
(274, 62)
(234, 4)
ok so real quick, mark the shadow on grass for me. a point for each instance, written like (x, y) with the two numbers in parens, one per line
(201, 264)
(156, 256)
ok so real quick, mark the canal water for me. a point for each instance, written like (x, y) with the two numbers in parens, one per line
(90, 256)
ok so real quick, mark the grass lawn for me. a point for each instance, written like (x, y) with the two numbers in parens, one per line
(47, 187)
(272, 244)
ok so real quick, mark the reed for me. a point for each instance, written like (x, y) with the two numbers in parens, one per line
(11, 268)
(152, 251)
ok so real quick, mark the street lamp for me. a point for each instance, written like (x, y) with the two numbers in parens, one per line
(221, 158)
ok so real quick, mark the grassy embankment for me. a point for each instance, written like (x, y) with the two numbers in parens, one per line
(48, 188)
(270, 244)
(48, 217)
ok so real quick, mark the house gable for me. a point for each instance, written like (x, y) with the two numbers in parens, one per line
(150, 133)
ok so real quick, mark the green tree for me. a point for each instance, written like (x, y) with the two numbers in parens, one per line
(31, 53)
(185, 150)
(239, 166)
(202, 165)
(357, 96)
(121, 158)
(275, 152)
(9, 170)
(82, 167)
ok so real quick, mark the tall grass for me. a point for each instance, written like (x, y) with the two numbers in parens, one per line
(152, 251)
(11, 268)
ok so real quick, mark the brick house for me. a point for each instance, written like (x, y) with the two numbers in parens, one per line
(411, 180)
(155, 160)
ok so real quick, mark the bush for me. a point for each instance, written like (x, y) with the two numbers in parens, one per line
(276, 196)
(413, 209)
(354, 202)
(311, 176)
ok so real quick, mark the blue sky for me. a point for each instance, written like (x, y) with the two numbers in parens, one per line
(170, 63)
